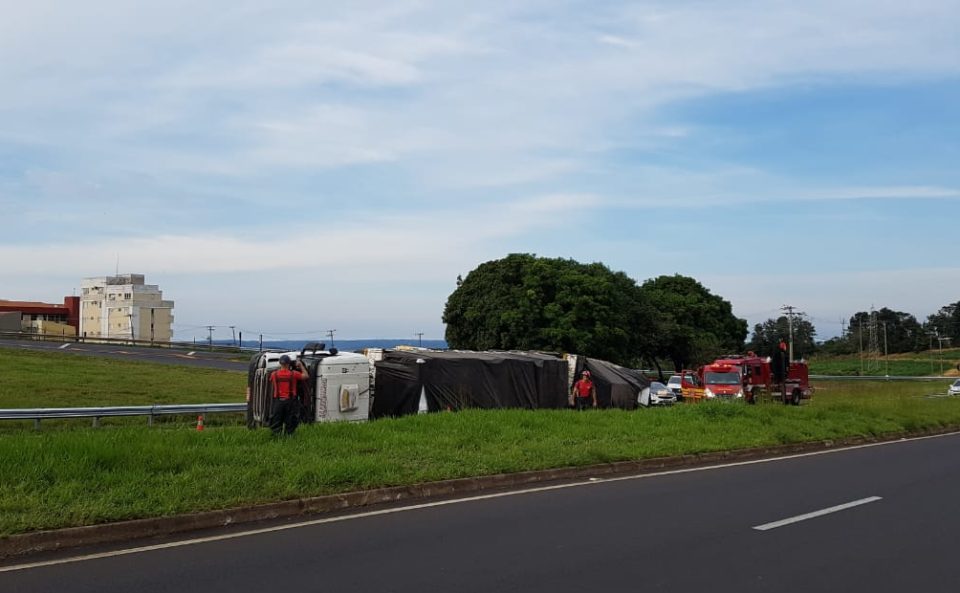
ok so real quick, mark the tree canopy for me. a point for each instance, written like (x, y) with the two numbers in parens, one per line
(692, 324)
(526, 302)
(767, 335)
(945, 323)
(903, 332)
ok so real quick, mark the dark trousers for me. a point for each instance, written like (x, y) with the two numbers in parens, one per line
(583, 403)
(285, 416)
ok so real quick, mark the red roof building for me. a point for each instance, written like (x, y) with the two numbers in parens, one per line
(68, 312)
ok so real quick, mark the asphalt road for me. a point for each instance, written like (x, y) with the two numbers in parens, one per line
(688, 531)
(197, 358)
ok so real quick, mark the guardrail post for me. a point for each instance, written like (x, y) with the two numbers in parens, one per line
(150, 420)
(96, 421)
(36, 424)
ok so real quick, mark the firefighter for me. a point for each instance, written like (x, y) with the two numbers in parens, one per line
(583, 392)
(286, 406)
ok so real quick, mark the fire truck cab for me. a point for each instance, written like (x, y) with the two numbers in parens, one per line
(722, 379)
(758, 377)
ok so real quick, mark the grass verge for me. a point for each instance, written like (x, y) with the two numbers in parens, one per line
(911, 364)
(59, 379)
(81, 477)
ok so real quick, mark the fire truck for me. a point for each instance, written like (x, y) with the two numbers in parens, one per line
(749, 378)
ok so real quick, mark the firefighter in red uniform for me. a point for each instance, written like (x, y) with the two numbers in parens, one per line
(286, 407)
(584, 391)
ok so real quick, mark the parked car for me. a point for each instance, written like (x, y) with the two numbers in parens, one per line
(657, 394)
(954, 389)
(675, 384)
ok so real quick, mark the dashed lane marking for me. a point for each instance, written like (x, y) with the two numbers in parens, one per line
(815, 514)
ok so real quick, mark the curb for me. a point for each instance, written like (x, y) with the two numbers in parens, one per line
(61, 539)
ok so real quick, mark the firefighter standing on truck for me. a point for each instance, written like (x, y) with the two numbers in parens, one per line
(286, 406)
(584, 392)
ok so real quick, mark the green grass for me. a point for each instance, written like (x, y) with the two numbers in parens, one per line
(80, 477)
(56, 379)
(900, 365)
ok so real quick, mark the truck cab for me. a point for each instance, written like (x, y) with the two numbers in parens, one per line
(338, 386)
(722, 380)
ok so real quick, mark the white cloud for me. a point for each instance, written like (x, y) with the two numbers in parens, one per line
(375, 241)
(151, 115)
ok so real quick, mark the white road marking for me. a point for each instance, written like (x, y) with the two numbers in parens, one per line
(64, 346)
(191, 353)
(820, 513)
(441, 503)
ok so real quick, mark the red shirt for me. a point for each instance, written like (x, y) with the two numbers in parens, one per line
(285, 383)
(583, 387)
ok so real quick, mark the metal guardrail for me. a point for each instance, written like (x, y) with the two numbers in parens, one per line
(61, 338)
(38, 414)
(878, 378)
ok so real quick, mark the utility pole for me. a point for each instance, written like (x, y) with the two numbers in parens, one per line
(861, 346)
(886, 358)
(233, 330)
(419, 339)
(330, 333)
(132, 337)
(940, 341)
(789, 311)
(210, 336)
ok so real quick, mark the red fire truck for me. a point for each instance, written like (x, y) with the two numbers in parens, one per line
(749, 378)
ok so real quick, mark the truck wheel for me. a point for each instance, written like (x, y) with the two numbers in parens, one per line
(795, 399)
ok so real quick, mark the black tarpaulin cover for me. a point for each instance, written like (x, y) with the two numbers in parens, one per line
(397, 389)
(617, 386)
(456, 380)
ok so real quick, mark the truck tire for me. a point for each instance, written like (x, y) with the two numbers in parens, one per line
(795, 397)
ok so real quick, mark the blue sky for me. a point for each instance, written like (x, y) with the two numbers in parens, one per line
(293, 166)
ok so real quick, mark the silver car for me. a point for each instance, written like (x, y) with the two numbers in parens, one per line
(954, 389)
(657, 394)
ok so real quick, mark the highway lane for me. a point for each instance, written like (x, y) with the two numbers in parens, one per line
(194, 358)
(680, 531)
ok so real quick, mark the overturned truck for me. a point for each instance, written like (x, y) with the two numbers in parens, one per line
(385, 383)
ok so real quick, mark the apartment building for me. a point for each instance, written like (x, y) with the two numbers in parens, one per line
(124, 306)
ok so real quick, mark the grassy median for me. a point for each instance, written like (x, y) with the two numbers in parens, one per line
(80, 477)
(31, 379)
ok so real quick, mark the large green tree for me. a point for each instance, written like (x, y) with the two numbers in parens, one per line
(526, 302)
(767, 335)
(945, 323)
(692, 325)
